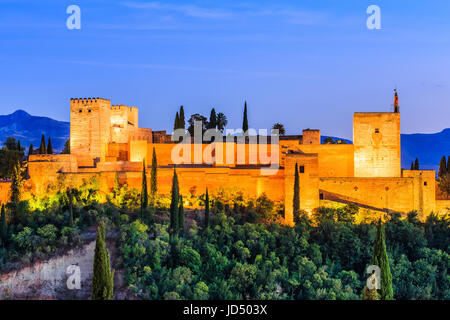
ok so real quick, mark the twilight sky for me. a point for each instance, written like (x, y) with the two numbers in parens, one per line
(306, 64)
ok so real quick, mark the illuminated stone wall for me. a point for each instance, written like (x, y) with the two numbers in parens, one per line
(376, 138)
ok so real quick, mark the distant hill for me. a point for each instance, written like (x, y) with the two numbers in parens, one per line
(429, 148)
(29, 129)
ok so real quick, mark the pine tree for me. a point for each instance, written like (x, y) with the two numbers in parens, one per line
(416, 164)
(144, 192)
(181, 217)
(103, 276)
(212, 119)
(207, 209)
(42, 148)
(296, 198)
(49, 146)
(182, 120)
(174, 205)
(154, 176)
(30, 150)
(3, 225)
(176, 125)
(380, 259)
(442, 167)
(245, 121)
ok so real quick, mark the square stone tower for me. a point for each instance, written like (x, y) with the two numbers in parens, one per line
(90, 122)
(376, 138)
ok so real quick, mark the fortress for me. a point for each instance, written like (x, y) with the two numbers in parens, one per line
(106, 139)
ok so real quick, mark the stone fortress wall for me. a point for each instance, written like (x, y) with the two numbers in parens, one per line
(106, 139)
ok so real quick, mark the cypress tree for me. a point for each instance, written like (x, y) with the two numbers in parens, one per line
(3, 225)
(296, 198)
(207, 209)
(174, 204)
(19, 147)
(30, 150)
(245, 121)
(442, 167)
(380, 259)
(154, 176)
(42, 149)
(103, 276)
(412, 165)
(181, 217)
(16, 184)
(416, 164)
(182, 119)
(176, 125)
(116, 188)
(49, 146)
(212, 119)
(144, 192)
(448, 164)
(70, 196)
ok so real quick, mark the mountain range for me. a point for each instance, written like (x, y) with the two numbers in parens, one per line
(428, 148)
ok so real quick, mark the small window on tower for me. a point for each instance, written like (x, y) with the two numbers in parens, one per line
(89, 110)
(377, 130)
(302, 169)
(425, 183)
(80, 111)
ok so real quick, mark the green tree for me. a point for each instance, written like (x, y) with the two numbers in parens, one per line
(19, 147)
(103, 276)
(3, 225)
(280, 127)
(182, 119)
(296, 199)
(42, 148)
(144, 192)
(181, 223)
(11, 144)
(412, 165)
(221, 121)
(380, 259)
(416, 164)
(16, 184)
(212, 124)
(30, 150)
(70, 196)
(66, 149)
(116, 188)
(207, 209)
(154, 176)
(245, 121)
(176, 124)
(49, 146)
(448, 164)
(442, 167)
(174, 204)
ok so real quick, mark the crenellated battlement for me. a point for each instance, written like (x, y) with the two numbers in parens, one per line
(85, 101)
(123, 107)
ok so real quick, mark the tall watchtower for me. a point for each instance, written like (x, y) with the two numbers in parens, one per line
(376, 138)
(90, 122)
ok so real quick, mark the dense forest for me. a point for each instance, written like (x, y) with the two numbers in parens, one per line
(225, 245)
(244, 253)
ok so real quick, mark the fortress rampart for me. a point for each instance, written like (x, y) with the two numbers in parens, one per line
(105, 139)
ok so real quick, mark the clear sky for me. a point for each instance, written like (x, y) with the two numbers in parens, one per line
(306, 64)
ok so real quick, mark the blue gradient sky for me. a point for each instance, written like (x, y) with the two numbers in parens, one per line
(307, 64)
